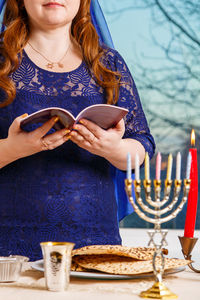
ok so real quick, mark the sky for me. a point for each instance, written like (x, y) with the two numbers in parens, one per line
(129, 30)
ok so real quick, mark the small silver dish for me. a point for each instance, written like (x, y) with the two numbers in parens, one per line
(10, 267)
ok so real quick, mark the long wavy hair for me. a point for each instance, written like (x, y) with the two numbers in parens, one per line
(82, 29)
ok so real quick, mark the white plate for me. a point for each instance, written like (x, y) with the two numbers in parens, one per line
(38, 265)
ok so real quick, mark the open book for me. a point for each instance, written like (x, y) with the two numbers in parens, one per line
(104, 115)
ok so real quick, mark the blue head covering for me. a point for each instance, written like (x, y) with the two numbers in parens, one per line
(98, 20)
(2, 2)
(100, 24)
(2, 8)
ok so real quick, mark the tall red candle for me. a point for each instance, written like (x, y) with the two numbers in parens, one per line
(193, 193)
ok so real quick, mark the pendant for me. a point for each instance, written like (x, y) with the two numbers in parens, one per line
(60, 65)
(50, 65)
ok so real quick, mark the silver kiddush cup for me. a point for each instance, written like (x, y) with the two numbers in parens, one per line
(57, 262)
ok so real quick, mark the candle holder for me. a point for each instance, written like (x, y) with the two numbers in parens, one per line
(187, 245)
(158, 290)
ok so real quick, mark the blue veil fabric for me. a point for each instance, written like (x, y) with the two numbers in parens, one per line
(100, 24)
(98, 20)
(2, 7)
(2, 2)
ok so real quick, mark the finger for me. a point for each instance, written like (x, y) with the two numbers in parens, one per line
(119, 128)
(15, 126)
(76, 137)
(51, 146)
(81, 142)
(93, 128)
(53, 137)
(88, 135)
(59, 142)
(120, 125)
(42, 130)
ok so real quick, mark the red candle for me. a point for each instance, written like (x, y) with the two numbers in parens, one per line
(193, 193)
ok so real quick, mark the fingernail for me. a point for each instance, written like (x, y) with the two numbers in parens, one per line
(67, 131)
(56, 119)
(82, 122)
(75, 127)
(67, 137)
(24, 115)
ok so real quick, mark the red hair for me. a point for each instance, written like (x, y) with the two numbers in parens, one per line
(16, 22)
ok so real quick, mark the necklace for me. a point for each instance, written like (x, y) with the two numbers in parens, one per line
(51, 64)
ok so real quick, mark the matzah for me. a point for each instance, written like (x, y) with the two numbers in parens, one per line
(140, 253)
(113, 264)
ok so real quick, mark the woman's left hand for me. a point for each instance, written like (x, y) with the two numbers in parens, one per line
(96, 140)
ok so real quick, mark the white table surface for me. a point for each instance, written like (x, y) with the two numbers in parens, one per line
(186, 284)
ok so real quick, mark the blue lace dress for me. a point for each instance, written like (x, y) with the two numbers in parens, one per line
(65, 194)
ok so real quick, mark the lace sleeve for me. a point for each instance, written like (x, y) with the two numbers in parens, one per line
(135, 121)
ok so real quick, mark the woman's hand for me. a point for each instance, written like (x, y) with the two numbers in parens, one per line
(96, 140)
(20, 143)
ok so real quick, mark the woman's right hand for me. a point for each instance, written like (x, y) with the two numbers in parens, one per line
(20, 143)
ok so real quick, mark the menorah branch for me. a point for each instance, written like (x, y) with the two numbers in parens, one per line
(157, 212)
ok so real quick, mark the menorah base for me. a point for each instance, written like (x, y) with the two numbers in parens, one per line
(158, 291)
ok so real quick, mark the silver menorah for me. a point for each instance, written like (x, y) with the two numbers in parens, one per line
(156, 209)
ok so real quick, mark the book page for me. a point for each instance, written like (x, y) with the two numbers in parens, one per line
(104, 115)
(66, 118)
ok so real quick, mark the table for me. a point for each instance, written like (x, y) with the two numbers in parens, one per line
(185, 284)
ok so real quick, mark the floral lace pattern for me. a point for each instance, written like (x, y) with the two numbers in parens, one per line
(66, 194)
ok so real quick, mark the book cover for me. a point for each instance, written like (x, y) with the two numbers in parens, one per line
(104, 115)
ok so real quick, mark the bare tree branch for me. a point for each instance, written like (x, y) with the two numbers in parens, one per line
(170, 19)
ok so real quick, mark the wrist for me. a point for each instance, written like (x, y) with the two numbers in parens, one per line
(116, 153)
(7, 152)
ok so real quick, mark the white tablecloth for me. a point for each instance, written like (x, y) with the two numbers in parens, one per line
(186, 284)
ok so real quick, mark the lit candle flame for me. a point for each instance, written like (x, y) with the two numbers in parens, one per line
(193, 137)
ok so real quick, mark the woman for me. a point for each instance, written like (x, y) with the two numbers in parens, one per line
(58, 185)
